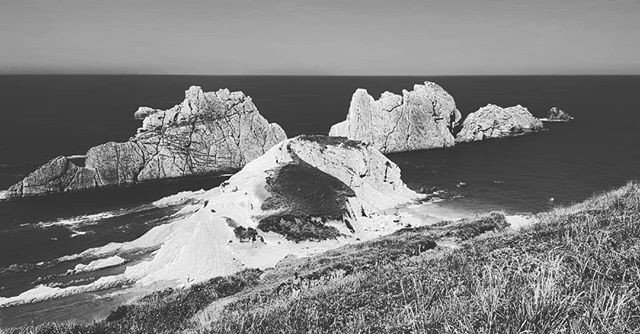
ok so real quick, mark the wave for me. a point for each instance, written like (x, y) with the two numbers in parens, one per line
(82, 220)
(181, 198)
(43, 292)
(97, 265)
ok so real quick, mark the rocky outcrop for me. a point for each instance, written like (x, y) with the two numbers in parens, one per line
(309, 188)
(493, 121)
(419, 119)
(207, 133)
(305, 195)
(556, 114)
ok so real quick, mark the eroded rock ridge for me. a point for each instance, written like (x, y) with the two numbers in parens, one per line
(209, 132)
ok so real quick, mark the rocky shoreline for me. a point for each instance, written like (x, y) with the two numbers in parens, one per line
(208, 133)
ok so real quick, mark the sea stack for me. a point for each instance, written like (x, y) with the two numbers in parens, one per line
(556, 114)
(419, 119)
(492, 121)
(207, 133)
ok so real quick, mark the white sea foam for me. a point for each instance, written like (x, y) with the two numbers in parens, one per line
(43, 292)
(82, 220)
(553, 120)
(180, 198)
(97, 265)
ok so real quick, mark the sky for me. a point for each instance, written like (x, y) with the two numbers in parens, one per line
(353, 37)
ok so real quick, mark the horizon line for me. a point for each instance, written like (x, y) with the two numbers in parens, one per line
(328, 75)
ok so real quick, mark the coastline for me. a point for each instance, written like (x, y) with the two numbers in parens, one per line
(75, 305)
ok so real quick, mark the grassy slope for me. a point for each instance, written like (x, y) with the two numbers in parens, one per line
(578, 271)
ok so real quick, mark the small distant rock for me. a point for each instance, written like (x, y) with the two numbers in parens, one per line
(493, 121)
(556, 114)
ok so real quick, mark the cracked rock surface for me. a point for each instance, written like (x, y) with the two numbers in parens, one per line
(209, 132)
(492, 121)
(419, 119)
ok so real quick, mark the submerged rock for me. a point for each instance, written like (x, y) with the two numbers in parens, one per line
(556, 114)
(207, 133)
(419, 119)
(493, 121)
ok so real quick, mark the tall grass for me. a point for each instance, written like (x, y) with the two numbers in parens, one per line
(578, 271)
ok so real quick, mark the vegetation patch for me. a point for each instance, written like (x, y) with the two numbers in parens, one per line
(332, 141)
(298, 228)
(246, 234)
(305, 197)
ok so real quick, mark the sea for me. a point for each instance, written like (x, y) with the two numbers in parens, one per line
(42, 117)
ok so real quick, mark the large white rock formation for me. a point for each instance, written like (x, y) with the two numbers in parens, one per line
(207, 133)
(419, 119)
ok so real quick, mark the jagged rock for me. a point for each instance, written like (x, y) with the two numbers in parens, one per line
(419, 119)
(493, 121)
(57, 175)
(143, 112)
(556, 114)
(207, 133)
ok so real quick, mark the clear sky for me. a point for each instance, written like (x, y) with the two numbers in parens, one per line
(376, 37)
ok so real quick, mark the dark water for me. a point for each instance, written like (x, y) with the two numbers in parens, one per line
(45, 116)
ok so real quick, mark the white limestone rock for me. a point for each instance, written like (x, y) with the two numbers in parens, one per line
(208, 133)
(144, 112)
(419, 119)
(492, 121)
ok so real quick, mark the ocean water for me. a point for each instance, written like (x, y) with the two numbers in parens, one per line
(45, 116)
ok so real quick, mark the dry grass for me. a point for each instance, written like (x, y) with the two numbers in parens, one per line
(575, 272)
